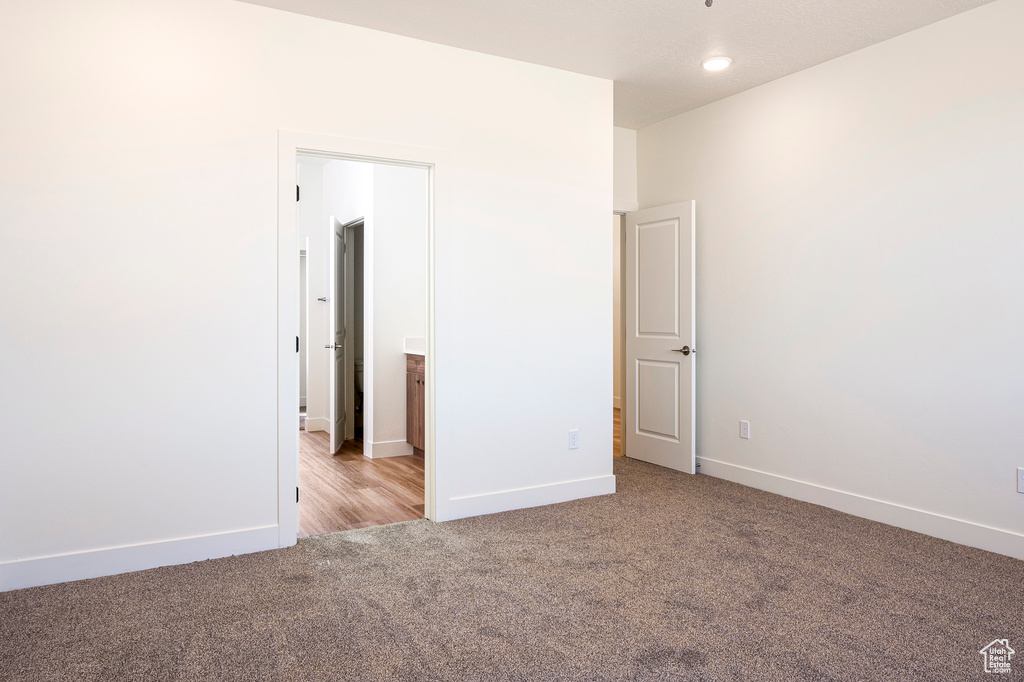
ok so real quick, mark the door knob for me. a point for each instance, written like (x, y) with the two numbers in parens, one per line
(685, 350)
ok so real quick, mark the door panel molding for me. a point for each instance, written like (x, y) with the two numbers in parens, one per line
(651, 417)
(661, 274)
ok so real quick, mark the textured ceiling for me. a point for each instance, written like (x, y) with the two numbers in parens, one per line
(652, 49)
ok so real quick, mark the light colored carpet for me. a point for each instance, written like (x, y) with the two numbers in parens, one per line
(673, 578)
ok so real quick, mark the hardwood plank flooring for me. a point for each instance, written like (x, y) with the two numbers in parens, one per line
(617, 434)
(347, 491)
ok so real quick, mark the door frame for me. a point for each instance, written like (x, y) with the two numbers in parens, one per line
(621, 330)
(290, 145)
(350, 360)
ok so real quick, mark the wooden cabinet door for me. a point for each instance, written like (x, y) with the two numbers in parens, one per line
(415, 402)
(411, 391)
(415, 399)
(418, 417)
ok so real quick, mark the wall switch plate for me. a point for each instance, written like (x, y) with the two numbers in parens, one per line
(1020, 480)
(745, 430)
(574, 439)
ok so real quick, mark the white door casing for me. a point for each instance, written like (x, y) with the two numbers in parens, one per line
(337, 334)
(292, 144)
(659, 415)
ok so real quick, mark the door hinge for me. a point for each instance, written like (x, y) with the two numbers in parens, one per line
(296, 344)
(296, 192)
(296, 494)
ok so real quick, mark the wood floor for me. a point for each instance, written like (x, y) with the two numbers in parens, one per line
(617, 434)
(347, 491)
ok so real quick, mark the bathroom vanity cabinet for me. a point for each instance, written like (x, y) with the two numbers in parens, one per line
(415, 402)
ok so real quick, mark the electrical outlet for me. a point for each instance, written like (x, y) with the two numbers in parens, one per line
(745, 430)
(574, 439)
(1020, 480)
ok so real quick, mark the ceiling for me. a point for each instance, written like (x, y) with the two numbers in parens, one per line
(652, 49)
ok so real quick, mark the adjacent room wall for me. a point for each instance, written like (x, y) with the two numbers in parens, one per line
(625, 188)
(624, 141)
(138, 407)
(860, 264)
(343, 190)
(348, 195)
(397, 243)
(310, 223)
(393, 201)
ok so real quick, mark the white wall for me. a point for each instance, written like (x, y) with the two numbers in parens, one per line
(310, 221)
(393, 201)
(153, 305)
(625, 174)
(860, 263)
(397, 242)
(347, 196)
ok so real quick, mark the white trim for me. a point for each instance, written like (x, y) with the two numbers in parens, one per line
(386, 448)
(317, 423)
(929, 523)
(431, 481)
(533, 496)
(290, 145)
(58, 568)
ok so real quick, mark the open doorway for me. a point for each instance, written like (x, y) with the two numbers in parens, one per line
(362, 284)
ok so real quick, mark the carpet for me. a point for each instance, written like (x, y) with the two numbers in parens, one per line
(675, 577)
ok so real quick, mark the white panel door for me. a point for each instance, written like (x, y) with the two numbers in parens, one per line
(659, 417)
(337, 333)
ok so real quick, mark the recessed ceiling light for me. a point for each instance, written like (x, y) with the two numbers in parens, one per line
(716, 63)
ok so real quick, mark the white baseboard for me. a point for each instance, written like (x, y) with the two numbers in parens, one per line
(521, 498)
(317, 424)
(963, 532)
(59, 568)
(617, 403)
(386, 448)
